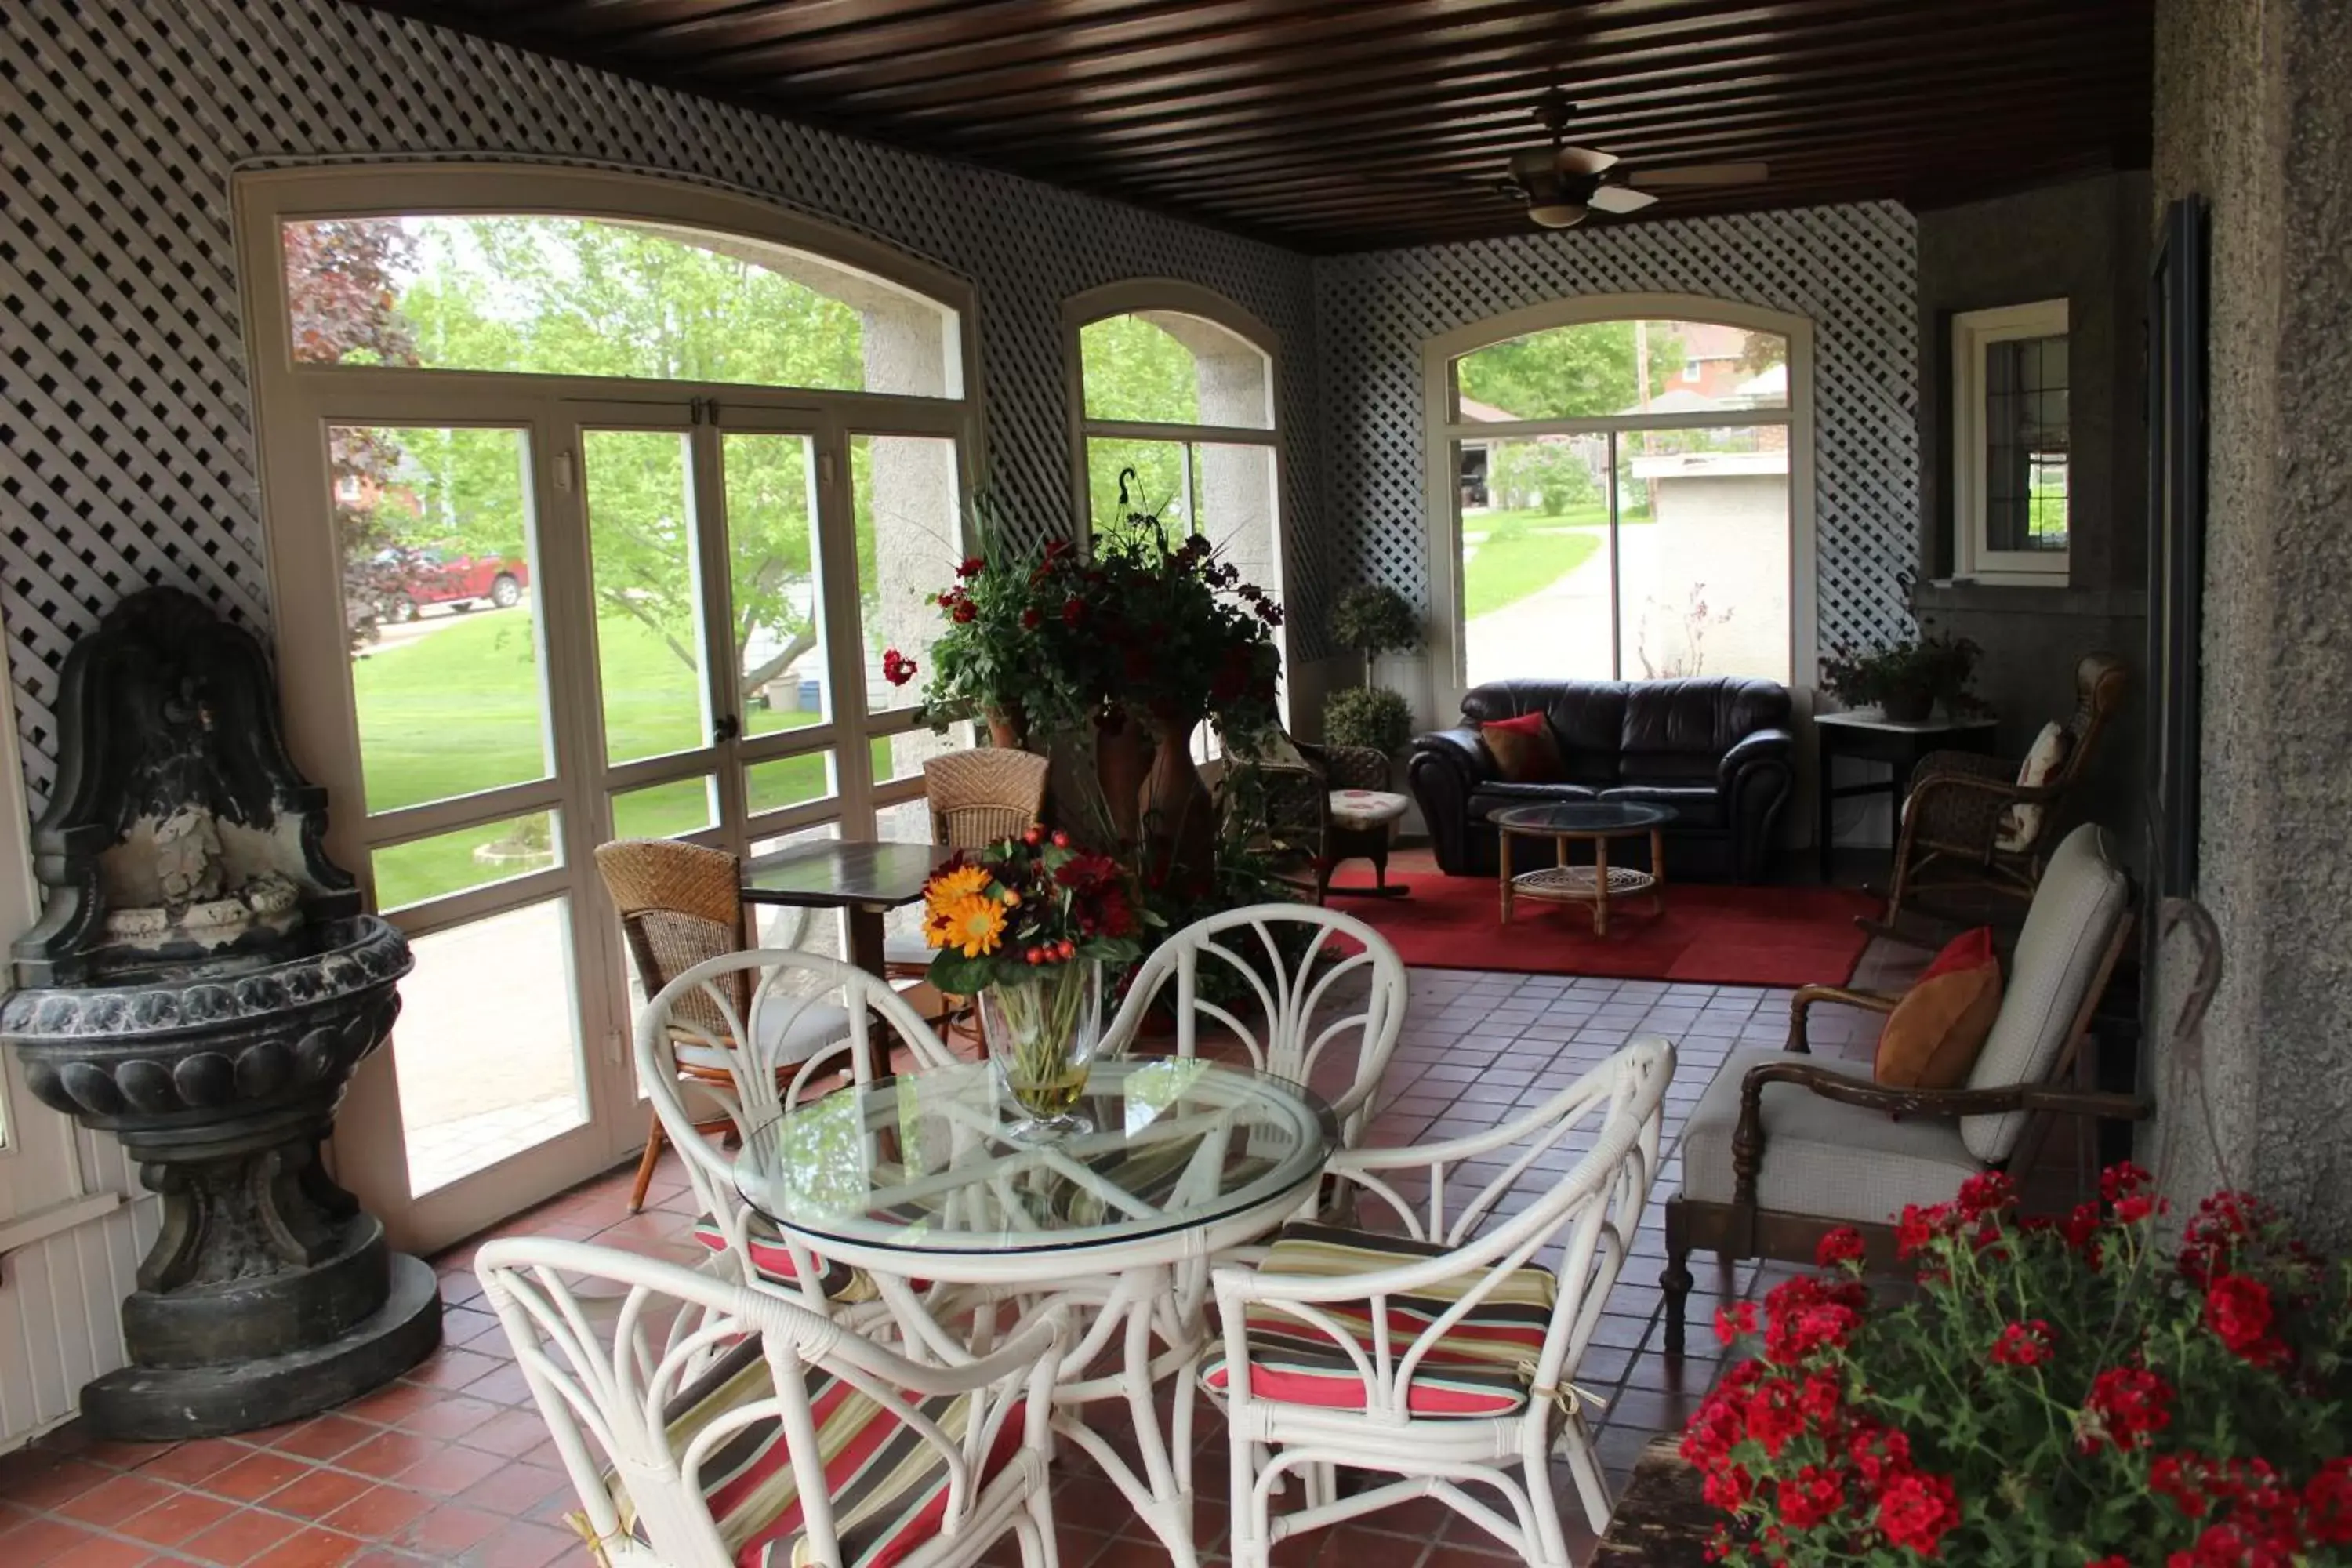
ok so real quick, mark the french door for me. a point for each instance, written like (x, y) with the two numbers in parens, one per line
(518, 617)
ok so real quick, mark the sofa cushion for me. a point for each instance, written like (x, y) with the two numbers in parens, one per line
(1822, 1158)
(1677, 730)
(1932, 1038)
(1588, 717)
(1524, 747)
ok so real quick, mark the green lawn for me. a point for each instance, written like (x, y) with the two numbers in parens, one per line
(457, 712)
(1511, 565)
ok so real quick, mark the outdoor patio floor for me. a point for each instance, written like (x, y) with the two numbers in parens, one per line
(451, 1464)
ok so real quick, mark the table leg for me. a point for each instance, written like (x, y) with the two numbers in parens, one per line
(865, 939)
(1822, 754)
(1658, 869)
(1145, 1300)
(1601, 885)
(1503, 859)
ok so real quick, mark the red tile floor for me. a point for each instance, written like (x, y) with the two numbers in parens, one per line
(451, 1465)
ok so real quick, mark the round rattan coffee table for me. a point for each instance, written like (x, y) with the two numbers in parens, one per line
(1598, 884)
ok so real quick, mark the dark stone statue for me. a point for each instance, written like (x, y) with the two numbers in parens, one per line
(201, 983)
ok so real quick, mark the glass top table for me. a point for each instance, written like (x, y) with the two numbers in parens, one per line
(917, 1171)
(1598, 884)
(1579, 818)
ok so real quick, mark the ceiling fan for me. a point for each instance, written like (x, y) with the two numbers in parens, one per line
(1562, 186)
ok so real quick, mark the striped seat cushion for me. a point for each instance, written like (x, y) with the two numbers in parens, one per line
(889, 1487)
(1482, 1366)
(773, 1260)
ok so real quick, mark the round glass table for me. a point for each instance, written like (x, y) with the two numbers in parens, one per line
(918, 1177)
(1598, 884)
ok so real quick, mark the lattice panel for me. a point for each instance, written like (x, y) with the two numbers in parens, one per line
(1851, 271)
(126, 455)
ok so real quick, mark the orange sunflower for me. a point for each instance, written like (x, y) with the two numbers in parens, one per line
(974, 925)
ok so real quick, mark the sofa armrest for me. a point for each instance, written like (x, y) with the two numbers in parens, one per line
(1757, 746)
(1460, 749)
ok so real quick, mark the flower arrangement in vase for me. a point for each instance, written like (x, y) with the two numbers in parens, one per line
(1025, 926)
(2052, 1393)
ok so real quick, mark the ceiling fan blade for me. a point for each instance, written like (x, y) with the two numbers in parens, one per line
(1619, 199)
(1582, 161)
(1704, 175)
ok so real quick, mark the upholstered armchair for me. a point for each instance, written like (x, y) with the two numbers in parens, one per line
(1783, 1147)
(1969, 823)
(1325, 804)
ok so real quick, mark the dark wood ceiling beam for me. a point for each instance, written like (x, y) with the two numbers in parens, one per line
(1172, 121)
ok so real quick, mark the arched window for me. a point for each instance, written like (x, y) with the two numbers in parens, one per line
(593, 503)
(1623, 490)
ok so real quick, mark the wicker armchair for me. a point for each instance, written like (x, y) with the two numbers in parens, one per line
(980, 797)
(1329, 804)
(1963, 826)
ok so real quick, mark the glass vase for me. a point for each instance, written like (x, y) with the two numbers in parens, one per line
(1043, 1035)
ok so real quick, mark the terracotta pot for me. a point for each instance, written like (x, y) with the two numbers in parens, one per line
(1007, 729)
(1179, 817)
(1122, 761)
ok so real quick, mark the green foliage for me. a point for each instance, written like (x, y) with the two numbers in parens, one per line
(1137, 371)
(1568, 373)
(1550, 477)
(1369, 716)
(1374, 618)
(1916, 669)
(2046, 1396)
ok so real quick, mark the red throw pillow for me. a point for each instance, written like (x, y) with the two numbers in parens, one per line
(1525, 749)
(1932, 1038)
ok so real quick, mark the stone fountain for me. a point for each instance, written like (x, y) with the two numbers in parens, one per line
(201, 983)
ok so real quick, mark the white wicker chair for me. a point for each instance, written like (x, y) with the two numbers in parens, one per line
(1305, 1013)
(699, 1420)
(806, 1018)
(1347, 1340)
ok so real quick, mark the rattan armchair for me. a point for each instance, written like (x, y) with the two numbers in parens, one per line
(1315, 820)
(985, 795)
(1969, 824)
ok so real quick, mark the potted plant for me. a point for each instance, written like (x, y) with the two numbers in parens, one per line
(1373, 618)
(1025, 926)
(1017, 650)
(1368, 716)
(2051, 1392)
(1904, 679)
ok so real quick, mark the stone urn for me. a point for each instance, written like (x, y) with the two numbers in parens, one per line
(201, 985)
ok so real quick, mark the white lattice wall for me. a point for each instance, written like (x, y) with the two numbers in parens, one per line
(125, 451)
(1851, 271)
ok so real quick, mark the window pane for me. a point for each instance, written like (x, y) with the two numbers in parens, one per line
(1234, 504)
(1535, 558)
(565, 296)
(473, 856)
(775, 582)
(1600, 368)
(487, 1045)
(908, 515)
(902, 755)
(1163, 367)
(788, 781)
(667, 810)
(2027, 442)
(641, 546)
(440, 598)
(1703, 552)
(1158, 482)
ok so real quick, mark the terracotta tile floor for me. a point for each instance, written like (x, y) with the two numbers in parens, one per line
(451, 1464)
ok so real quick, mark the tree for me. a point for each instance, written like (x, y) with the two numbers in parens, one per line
(1568, 373)
(1135, 371)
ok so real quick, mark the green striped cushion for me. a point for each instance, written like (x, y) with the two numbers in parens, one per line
(1481, 1367)
(889, 1486)
(773, 1260)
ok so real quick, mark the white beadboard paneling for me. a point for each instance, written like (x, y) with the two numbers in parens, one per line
(59, 1323)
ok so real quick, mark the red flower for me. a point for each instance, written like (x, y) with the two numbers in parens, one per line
(1844, 1245)
(1916, 1512)
(1877, 1453)
(2183, 1478)
(2327, 1504)
(963, 613)
(1809, 1497)
(1773, 1415)
(896, 668)
(2137, 1207)
(2081, 1227)
(1919, 1226)
(1074, 610)
(1819, 1397)
(971, 566)
(2126, 1406)
(2224, 1223)
(2022, 1344)
(1727, 1487)
(2119, 1181)
(2237, 1311)
(1988, 1192)
(2227, 1546)
(1734, 1321)
(1031, 620)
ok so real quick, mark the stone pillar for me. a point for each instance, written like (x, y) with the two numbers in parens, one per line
(2254, 111)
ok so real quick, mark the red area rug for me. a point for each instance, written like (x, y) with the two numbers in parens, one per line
(1708, 934)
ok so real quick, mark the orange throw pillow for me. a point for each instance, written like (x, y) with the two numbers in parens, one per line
(1933, 1036)
(1525, 749)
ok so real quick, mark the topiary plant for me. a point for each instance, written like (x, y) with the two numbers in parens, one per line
(1370, 716)
(1373, 618)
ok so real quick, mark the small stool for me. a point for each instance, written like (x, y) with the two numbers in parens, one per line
(1362, 823)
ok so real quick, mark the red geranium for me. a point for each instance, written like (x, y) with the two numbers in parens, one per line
(2237, 1311)
(2127, 1406)
(1842, 1245)
(1809, 1497)
(896, 668)
(1988, 1192)
(1916, 1511)
(2022, 1344)
(2327, 1504)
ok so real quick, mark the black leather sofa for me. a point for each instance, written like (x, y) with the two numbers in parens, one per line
(1718, 751)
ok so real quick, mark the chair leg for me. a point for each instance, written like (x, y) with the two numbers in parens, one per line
(1676, 1280)
(1048, 1545)
(1249, 1547)
(1584, 1467)
(653, 1141)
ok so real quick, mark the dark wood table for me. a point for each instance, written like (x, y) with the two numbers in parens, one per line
(1663, 1520)
(1870, 735)
(867, 879)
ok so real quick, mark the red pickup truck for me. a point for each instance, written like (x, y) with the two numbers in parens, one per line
(421, 577)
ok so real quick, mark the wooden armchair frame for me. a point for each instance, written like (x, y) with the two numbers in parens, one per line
(1309, 828)
(1743, 1228)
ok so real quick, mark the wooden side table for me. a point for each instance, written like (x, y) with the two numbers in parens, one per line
(1872, 736)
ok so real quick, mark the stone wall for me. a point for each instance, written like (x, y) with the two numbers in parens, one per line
(2254, 113)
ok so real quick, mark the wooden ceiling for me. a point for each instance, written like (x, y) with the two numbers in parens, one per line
(1348, 124)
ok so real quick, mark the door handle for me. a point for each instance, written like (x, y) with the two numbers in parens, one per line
(727, 728)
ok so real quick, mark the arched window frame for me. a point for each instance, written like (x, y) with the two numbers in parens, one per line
(1444, 427)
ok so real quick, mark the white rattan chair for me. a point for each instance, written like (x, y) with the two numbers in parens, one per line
(806, 1018)
(1316, 1002)
(704, 1425)
(1443, 1356)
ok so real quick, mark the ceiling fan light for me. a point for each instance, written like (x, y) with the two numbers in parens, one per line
(1557, 214)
